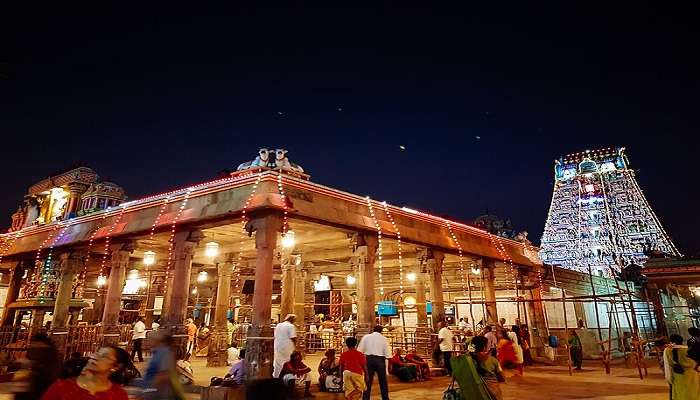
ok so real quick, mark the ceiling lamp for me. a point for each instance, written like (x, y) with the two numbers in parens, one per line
(350, 280)
(288, 240)
(202, 277)
(101, 280)
(149, 257)
(194, 291)
(409, 301)
(476, 270)
(133, 274)
(211, 249)
(411, 276)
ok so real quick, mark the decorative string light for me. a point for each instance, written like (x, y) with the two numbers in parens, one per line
(48, 263)
(498, 242)
(398, 237)
(7, 245)
(460, 252)
(379, 246)
(83, 273)
(108, 237)
(149, 257)
(285, 219)
(244, 220)
(171, 240)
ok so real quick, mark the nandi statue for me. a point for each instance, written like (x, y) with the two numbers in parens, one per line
(279, 162)
(262, 160)
(282, 162)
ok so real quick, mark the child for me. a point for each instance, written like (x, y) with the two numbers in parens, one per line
(487, 367)
(353, 367)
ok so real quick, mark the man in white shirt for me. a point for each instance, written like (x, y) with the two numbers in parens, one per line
(376, 349)
(137, 338)
(446, 341)
(285, 343)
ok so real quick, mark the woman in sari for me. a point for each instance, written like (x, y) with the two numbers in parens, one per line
(679, 371)
(525, 343)
(576, 349)
(478, 373)
(505, 351)
(329, 379)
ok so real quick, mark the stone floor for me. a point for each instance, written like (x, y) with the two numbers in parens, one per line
(539, 383)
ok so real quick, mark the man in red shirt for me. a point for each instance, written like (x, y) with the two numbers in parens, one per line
(353, 366)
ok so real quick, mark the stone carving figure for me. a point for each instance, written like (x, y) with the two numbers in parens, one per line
(262, 160)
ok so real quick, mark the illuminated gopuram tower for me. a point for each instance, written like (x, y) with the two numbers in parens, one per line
(599, 217)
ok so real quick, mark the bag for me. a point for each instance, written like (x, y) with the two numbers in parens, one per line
(452, 393)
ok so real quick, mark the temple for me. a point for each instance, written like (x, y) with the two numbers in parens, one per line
(599, 219)
(266, 241)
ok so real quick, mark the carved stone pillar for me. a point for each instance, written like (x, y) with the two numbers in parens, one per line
(220, 339)
(179, 288)
(288, 290)
(115, 286)
(260, 351)
(538, 324)
(299, 296)
(435, 260)
(489, 281)
(13, 294)
(70, 265)
(422, 327)
(366, 254)
(653, 296)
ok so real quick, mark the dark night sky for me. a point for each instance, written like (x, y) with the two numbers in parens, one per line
(154, 101)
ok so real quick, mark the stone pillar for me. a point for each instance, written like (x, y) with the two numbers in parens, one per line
(37, 321)
(422, 328)
(220, 340)
(179, 285)
(259, 350)
(366, 254)
(489, 282)
(12, 294)
(115, 285)
(299, 296)
(538, 324)
(75, 191)
(70, 265)
(435, 260)
(288, 290)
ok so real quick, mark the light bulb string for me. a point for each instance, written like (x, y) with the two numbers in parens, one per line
(400, 255)
(171, 240)
(48, 264)
(460, 252)
(379, 246)
(108, 238)
(244, 236)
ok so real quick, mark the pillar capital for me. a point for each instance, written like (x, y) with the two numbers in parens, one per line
(123, 247)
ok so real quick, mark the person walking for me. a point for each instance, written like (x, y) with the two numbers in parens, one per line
(137, 338)
(446, 341)
(191, 335)
(492, 340)
(376, 349)
(576, 350)
(285, 343)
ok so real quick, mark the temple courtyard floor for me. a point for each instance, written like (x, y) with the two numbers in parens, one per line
(539, 383)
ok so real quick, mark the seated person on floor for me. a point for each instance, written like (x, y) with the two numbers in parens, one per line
(237, 371)
(329, 379)
(401, 368)
(423, 366)
(232, 354)
(296, 374)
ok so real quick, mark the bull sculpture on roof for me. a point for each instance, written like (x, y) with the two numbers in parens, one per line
(280, 161)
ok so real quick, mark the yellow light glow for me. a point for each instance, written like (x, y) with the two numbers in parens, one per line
(149, 257)
(211, 249)
(409, 301)
(288, 240)
(350, 280)
(411, 276)
(101, 280)
(202, 277)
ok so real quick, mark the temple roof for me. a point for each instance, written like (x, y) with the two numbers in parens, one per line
(222, 201)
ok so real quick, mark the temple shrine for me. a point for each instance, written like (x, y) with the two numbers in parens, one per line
(266, 241)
